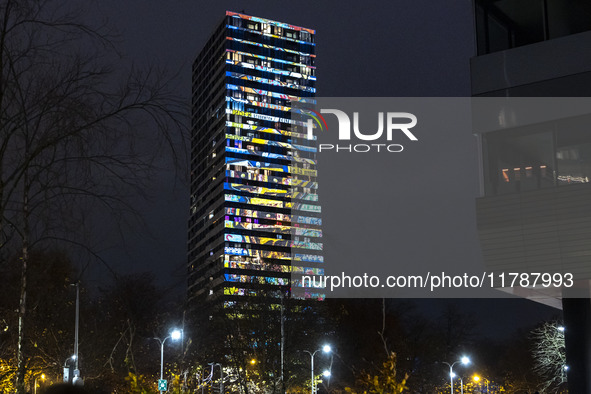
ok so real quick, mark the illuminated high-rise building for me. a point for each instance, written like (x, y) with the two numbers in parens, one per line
(254, 209)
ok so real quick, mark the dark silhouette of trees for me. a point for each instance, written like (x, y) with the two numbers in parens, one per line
(50, 315)
(74, 133)
(122, 321)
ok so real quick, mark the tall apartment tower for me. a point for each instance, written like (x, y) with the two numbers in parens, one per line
(254, 210)
(534, 210)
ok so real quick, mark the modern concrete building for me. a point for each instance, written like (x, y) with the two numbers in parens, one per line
(254, 209)
(535, 213)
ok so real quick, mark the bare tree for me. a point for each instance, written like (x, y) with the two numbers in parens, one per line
(549, 356)
(73, 132)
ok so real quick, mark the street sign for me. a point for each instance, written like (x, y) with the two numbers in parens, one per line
(162, 384)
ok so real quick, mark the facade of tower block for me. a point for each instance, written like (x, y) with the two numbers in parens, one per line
(254, 208)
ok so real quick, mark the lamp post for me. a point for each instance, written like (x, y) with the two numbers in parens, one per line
(477, 379)
(175, 335)
(327, 374)
(325, 349)
(77, 379)
(465, 361)
(42, 376)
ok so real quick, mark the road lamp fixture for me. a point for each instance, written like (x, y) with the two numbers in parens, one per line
(325, 349)
(174, 335)
(42, 376)
(464, 361)
(77, 323)
(477, 379)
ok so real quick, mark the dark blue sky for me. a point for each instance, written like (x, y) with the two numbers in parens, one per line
(379, 48)
(364, 48)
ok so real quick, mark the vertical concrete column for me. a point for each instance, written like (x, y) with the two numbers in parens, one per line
(577, 321)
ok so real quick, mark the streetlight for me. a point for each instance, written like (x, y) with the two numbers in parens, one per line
(477, 379)
(465, 361)
(325, 349)
(175, 335)
(77, 379)
(42, 376)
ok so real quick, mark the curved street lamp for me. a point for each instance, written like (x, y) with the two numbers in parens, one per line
(325, 349)
(465, 361)
(175, 335)
(42, 376)
(477, 378)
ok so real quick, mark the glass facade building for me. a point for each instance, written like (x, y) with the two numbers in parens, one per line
(533, 215)
(254, 209)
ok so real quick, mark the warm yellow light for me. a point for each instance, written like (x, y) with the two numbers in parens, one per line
(253, 361)
(42, 376)
(476, 378)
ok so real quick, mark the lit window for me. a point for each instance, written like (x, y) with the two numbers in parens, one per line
(528, 172)
(517, 174)
(505, 175)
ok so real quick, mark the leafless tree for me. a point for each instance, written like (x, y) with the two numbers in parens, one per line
(550, 356)
(74, 132)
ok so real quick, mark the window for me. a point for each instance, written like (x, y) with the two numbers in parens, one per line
(519, 160)
(504, 24)
(236, 22)
(573, 151)
(546, 155)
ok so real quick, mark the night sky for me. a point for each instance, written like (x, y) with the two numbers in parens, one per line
(402, 48)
